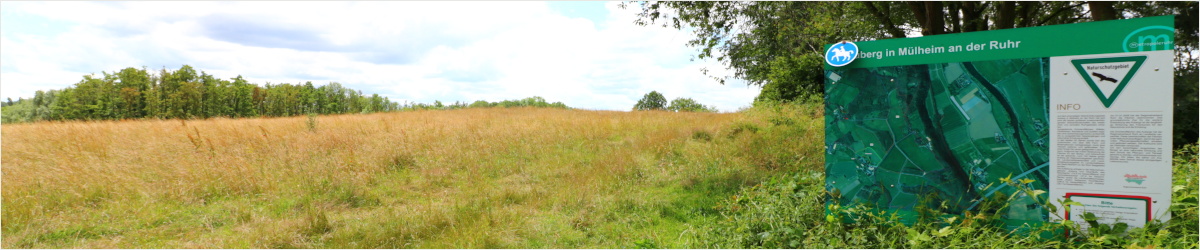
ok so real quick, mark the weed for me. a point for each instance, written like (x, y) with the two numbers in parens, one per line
(311, 122)
(782, 121)
(196, 140)
(73, 233)
(401, 161)
(317, 223)
(702, 135)
(742, 128)
(645, 244)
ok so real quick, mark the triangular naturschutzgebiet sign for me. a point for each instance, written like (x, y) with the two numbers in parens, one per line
(1108, 76)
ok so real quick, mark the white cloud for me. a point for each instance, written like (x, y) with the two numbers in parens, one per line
(409, 51)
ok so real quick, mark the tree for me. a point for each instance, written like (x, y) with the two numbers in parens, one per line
(480, 104)
(651, 101)
(766, 42)
(689, 105)
(132, 83)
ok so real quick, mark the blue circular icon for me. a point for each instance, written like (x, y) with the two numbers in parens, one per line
(841, 53)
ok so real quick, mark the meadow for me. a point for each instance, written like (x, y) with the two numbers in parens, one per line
(479, 178)
(472, 178)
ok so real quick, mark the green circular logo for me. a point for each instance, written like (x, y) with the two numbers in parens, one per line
(1149, 38)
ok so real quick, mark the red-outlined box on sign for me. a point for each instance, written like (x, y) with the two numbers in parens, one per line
(1110, 196)
(1115, 196)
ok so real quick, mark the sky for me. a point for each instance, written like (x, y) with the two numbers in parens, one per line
(587, 55)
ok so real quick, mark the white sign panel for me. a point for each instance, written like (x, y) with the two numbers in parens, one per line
(1110, 136)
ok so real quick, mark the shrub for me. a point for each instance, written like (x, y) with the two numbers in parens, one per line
(742, 127)
(702, 135)
(689, 105)
(651, 101)
(312, 122)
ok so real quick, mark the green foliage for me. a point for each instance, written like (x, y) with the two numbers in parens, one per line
(742, 128)
(535, 102)
(311, 122)
(1185, 209)
(20, 111)
(788, 212)
(765, 42)
(317, 223)
(651, 101)
(689, 105)
(789, 81)
(481, 104)
(133, 93)
(702, 135)
(1187, 103)
(656, 101)
(645, 244)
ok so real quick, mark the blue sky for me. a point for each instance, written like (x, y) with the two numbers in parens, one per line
(585, 54)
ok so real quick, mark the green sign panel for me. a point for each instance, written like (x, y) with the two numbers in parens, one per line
(939, 121)
(1132, 35)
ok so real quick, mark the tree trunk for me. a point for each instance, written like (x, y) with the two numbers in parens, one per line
(1006, 15)
(954, 14)
(970, 17)
(885, 19)
(934, 14)
(918, 10)
(1102, 10)
(1024, 10)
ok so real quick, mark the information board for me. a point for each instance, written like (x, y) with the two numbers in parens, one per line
(1082, 111)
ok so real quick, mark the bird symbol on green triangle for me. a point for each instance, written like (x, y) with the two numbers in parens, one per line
(1108, 100)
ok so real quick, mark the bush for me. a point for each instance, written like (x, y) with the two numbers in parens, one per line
(481, 104)
(312, 122)
(689, 105)
(702, 135)
(651, 101)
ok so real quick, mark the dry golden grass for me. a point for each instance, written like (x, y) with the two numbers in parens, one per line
(520, 177)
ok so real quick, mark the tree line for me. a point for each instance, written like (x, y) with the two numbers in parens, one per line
(133, 93)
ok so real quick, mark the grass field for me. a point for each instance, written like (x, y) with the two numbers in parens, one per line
(479, 178)
(474, 178)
